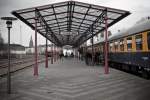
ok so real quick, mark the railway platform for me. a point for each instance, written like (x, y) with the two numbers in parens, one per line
(71, 79)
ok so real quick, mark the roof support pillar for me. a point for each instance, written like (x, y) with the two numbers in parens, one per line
(62, 54)
(52, 53)
(84, 50)
(35, 53)
(106, 45)
(56, 53)
(40, 18)
(92, 47)
(46, 53)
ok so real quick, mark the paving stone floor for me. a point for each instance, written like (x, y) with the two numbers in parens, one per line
(71, 79)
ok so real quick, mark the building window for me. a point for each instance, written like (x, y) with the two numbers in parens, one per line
(138, 39)
(129, 43)
(148, 40)
(121, 45)
(102, 48)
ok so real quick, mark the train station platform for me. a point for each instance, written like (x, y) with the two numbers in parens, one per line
(71, 79)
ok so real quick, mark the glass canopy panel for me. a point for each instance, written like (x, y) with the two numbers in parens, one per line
(29, 15)
(60, 9)
(61, 15)
(85, 25)
(76, 20)
(77, 15)
(94, 12)
(92, 18)
(112, 15)
(87, 22)
(49, 17)
(77, 24)
(63, 24)
(54, 25)
(79, 8)
(62, 20)
(46, 12)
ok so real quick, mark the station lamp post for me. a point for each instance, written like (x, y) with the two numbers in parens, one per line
(9, 26)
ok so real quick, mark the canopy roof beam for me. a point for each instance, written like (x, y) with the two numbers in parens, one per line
(57, 21)
(54, 38)
(84, 17)
(100, 17)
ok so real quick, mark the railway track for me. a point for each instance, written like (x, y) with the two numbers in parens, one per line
(4, 61)
(18, 64)
(4, 64)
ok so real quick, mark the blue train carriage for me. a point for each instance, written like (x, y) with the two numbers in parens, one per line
(130, 50)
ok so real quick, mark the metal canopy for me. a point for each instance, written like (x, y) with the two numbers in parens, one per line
(70, 22)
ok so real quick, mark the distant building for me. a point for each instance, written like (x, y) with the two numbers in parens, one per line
(29, 50)
(15, 50)
(40, 49)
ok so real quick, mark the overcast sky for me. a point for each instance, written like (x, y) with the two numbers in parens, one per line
(138, 9)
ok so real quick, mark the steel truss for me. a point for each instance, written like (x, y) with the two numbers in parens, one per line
(71, 17)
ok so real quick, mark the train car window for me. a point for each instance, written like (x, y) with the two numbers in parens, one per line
(138, 39)
(121, 45)
(111, 47)
(148, 40)
(116, 46)
(102, 49)
(129, 43)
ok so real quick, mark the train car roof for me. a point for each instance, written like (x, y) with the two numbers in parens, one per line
(138, 28)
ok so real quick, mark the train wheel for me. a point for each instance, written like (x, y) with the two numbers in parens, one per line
(145, 74)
